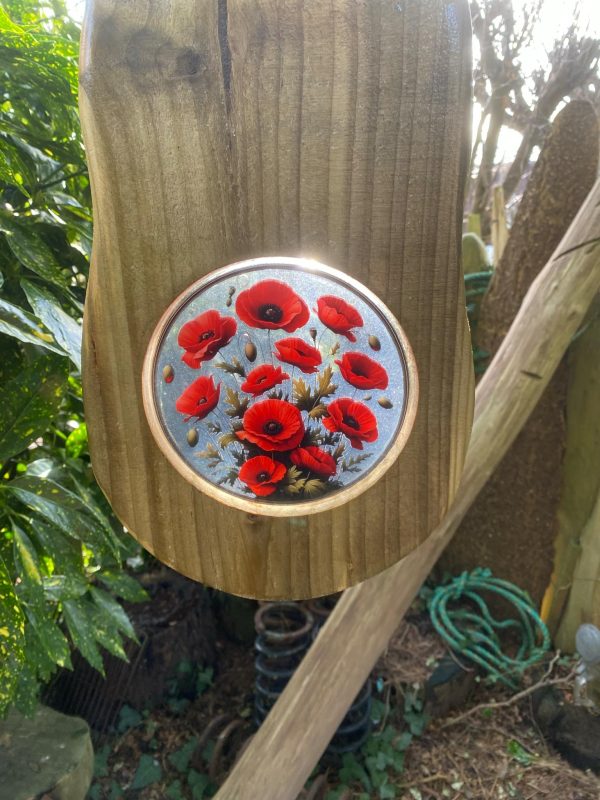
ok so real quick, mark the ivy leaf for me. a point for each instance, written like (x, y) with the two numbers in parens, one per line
(66, 331)
(149, 771)
(30, 402)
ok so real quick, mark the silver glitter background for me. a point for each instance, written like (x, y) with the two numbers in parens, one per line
(310, 286)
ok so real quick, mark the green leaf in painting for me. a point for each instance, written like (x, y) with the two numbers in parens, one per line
(30, 402)
(66, 331)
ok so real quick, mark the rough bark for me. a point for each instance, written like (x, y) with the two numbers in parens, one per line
(513, 525)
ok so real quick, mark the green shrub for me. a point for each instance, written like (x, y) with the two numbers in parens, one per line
(61, 550)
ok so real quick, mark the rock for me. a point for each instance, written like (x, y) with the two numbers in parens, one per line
(50, 754)
(573, 730)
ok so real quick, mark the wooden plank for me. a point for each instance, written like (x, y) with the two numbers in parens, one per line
(570, 596)
(218, 131)
(285, 749)
(513, 525)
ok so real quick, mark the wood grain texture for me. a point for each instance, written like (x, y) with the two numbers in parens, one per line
(283, 752)
(218, 131)
(513, 525)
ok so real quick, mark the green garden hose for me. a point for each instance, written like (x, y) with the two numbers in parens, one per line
(461, 617)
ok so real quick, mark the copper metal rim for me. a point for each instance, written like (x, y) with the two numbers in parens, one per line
(166, 427)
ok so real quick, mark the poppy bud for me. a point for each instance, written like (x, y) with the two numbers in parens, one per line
(385, 403)
(250, 351)
(374, 343)
(192, 437)
(168, 373)
(313, 334)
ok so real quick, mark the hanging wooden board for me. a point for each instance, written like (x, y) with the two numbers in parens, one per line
(224, 132)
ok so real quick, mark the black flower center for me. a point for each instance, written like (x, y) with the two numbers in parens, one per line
(262, 476)
(206, 335)
(270, 312)
(272, 427)
(358, 371)
(201, 401)
(351, 422)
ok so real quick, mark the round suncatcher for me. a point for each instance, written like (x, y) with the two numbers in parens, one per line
(280, 386)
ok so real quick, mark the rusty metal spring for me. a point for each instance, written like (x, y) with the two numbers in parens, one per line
(285, 631)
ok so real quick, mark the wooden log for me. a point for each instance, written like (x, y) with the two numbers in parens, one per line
(220, 131)
(513, 525)
(300, 726)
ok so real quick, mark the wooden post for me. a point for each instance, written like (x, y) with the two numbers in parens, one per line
(282, 754)
(226, 130)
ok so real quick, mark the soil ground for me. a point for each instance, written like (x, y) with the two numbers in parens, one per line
(173, 752)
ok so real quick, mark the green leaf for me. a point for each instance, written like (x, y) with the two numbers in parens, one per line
(77, 441)
(66, 331)
(123, 585)
(62, 508)
(64, 587)
(181, 758)
(148, 772)
(64, 551)
(30, 402)
(22, 325)
(7, 25)
(31, 251)
(199, 783)
(51, 638)
(114, 611)
(12, 639)
(82, 633)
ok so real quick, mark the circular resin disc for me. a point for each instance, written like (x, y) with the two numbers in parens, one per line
(280, 386)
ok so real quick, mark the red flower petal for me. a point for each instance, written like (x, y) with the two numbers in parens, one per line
(199, 399)
(355, 420)
(338, 315)
(272, 305)
(263, 378)
(315, 460)
(362, 372)
(273, 425)
(261, 474)
(298, 353)
(204, 336)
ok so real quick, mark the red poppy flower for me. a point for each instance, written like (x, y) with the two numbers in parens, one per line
(273, 425)
(204, 336)
(314, 459)
(362, 372)
(262, 474)
(338, 315)
(355, 420)
(298, 353)
(262, 378)
(273, 305)
(199, 399)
